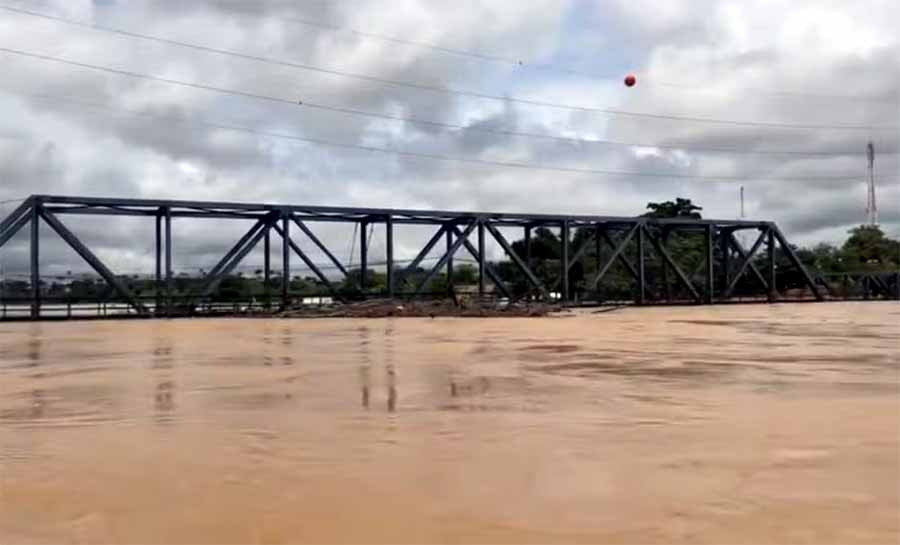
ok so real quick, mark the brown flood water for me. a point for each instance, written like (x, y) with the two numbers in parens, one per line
(742, 424)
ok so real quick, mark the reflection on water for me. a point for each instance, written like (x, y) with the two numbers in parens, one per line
(365, 382)
(165, 401)
(752, 423)
(287, 343)
(161, 366)
(34, 352)
(392, 388)
(365, 369)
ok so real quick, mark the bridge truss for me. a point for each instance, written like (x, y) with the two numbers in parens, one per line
(629, 242)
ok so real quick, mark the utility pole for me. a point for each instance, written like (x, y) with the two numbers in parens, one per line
(871, 204)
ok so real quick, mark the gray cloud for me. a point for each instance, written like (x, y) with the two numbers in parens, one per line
(731, 63)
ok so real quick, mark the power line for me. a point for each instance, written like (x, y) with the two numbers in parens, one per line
(439, 157)
(349, 111)
(490, 57)
(570, 139)
(421, 86)
(391, 39)
(429, 123)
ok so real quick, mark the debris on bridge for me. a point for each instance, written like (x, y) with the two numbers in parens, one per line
(385, 308)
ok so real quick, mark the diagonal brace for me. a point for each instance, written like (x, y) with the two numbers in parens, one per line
(21, 210)
(747, 261)
(661, 250)
(488, 269)
(214, 273)
(578, 255)
(321, 246)
(743, 253)
(309, 263)
(796, 261)
(446, 257)
(92, 260)
(424, 253)
(616, 253)
(879, 282)
(13, 229)
(498, 236)
(621, 257)
(235, 261)
(823, 280)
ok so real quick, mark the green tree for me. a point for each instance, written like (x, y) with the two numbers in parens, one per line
(544, 245)
(681, 208)
(822, 257)
(869, 248)
(465, 274)
(687, 250)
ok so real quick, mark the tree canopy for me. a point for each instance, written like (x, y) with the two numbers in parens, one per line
(868, 245)
(681, 208)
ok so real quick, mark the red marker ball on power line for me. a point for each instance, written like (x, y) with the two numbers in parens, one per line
(630, 80)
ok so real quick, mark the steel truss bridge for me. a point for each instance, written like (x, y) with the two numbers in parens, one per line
(627, 241)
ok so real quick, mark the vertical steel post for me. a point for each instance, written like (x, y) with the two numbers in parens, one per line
(285, 259)
(389, 250)
(157, 306)
(481, 258)
(564, 261)
(598, 253)
(169, 279)
(449, 260)
(796, 263)
(267, 265)
(642, 267)
(528, 250)
(770, 248)
(665, 266)
(363, 255)
(710, 280)
(528, 246)
(35, 260)
(725, 250)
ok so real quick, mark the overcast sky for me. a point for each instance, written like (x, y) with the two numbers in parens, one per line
(82, 131)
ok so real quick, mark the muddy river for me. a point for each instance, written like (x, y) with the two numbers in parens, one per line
(739, 424)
